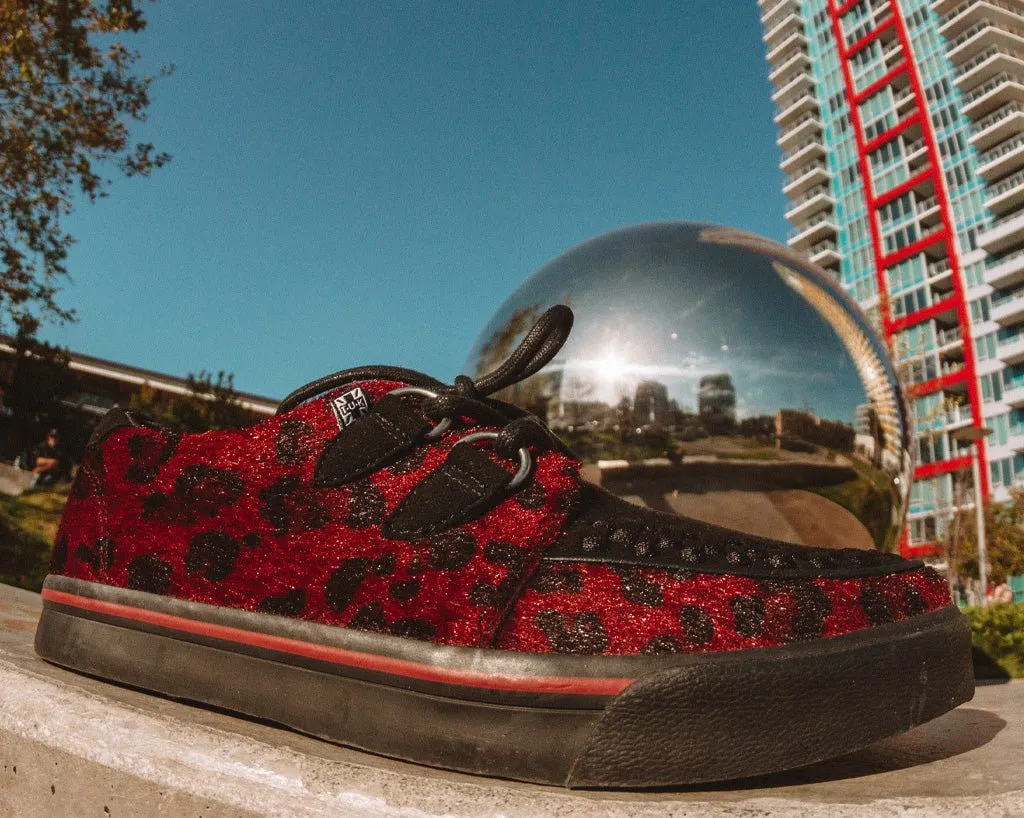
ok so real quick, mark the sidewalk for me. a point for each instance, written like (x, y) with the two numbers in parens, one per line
(74, 746)
(13, 481)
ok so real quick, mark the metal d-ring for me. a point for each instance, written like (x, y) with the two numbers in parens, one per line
(442, 426)
(525, 458)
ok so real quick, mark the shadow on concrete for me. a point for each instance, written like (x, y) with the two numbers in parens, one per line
(986, 670)
(958, 732)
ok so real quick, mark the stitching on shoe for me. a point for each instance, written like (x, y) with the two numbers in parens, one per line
(389, 428)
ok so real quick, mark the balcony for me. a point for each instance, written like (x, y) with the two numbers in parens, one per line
(989, 63)
(913, 161)
(1008, 310)
(1015, 439)
(998, 126)
(946, 8)
(1011, 351)
(800, 85)
(826, 254)
(1004, 233)
(1002, 88)
(783, 51)
(965, 15)
(1014, 396)
(1001, 160)
(892, 55)
(790, 23)
(929, 214)
(916, 154)
(957, 418)
(813, 174)
(900, 98)
(801, 154)
(804, 104)
(813, 232)
(951, 368)
(771, 16)
(1007, 271)
(808, 204)
(980, 36)
(940, 275)
(1007, 195)
(799, 130)
(949, 337)
(799, 63)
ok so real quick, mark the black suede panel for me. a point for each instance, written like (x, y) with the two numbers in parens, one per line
(460, 489)
(607, 529)
(373, 441)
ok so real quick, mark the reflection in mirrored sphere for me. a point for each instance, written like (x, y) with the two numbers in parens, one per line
(716, 374)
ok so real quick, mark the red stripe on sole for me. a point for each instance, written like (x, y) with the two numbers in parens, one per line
(578, 685)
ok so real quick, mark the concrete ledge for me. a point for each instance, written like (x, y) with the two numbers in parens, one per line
(14, 481)
(75, 746)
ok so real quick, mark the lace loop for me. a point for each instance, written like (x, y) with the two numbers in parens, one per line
(535, 351)
(525, 458)
(443, 423)
(469, 398)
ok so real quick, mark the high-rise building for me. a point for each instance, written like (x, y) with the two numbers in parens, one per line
(901, 124)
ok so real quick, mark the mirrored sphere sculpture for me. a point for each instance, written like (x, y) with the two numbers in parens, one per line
(717, 374)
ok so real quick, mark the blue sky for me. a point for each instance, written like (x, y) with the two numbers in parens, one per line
(365, 183)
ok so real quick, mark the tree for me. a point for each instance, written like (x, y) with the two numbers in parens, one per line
(1004, 540)
(210, 404)
(69, 94)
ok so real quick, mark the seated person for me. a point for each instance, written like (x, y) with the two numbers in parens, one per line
(48, 460)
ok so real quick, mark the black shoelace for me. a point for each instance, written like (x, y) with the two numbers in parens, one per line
(470, 399)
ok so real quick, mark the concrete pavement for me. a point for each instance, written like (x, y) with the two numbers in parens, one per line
(75, 746)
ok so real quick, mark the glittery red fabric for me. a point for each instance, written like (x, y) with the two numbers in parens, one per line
(594, 608)
(230, 518)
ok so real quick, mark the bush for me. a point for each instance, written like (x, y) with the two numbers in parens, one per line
(998, 632)
(28, 525)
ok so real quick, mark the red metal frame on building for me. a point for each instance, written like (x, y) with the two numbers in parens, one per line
(946, 234)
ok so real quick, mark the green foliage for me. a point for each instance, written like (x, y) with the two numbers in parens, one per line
(1004, 540)
(28, 526)
(67, 95)
(998, 632)
(210, 404)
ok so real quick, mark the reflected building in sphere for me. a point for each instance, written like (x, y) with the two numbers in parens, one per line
(650, 405)
(716, 374)
(717, 397)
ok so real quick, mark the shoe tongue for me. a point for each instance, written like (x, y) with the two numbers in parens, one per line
(339, 380)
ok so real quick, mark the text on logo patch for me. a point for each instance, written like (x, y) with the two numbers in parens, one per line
(350, 406)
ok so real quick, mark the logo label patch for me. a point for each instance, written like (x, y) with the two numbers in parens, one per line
(350, 406)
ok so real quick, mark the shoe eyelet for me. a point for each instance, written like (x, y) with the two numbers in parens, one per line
(525, 458)
(442, 426)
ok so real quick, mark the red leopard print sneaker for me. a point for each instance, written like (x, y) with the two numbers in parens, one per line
(417, 570)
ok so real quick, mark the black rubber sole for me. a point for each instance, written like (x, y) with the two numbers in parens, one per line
(567, 720)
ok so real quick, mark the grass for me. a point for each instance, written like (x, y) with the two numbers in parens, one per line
(28, 526)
